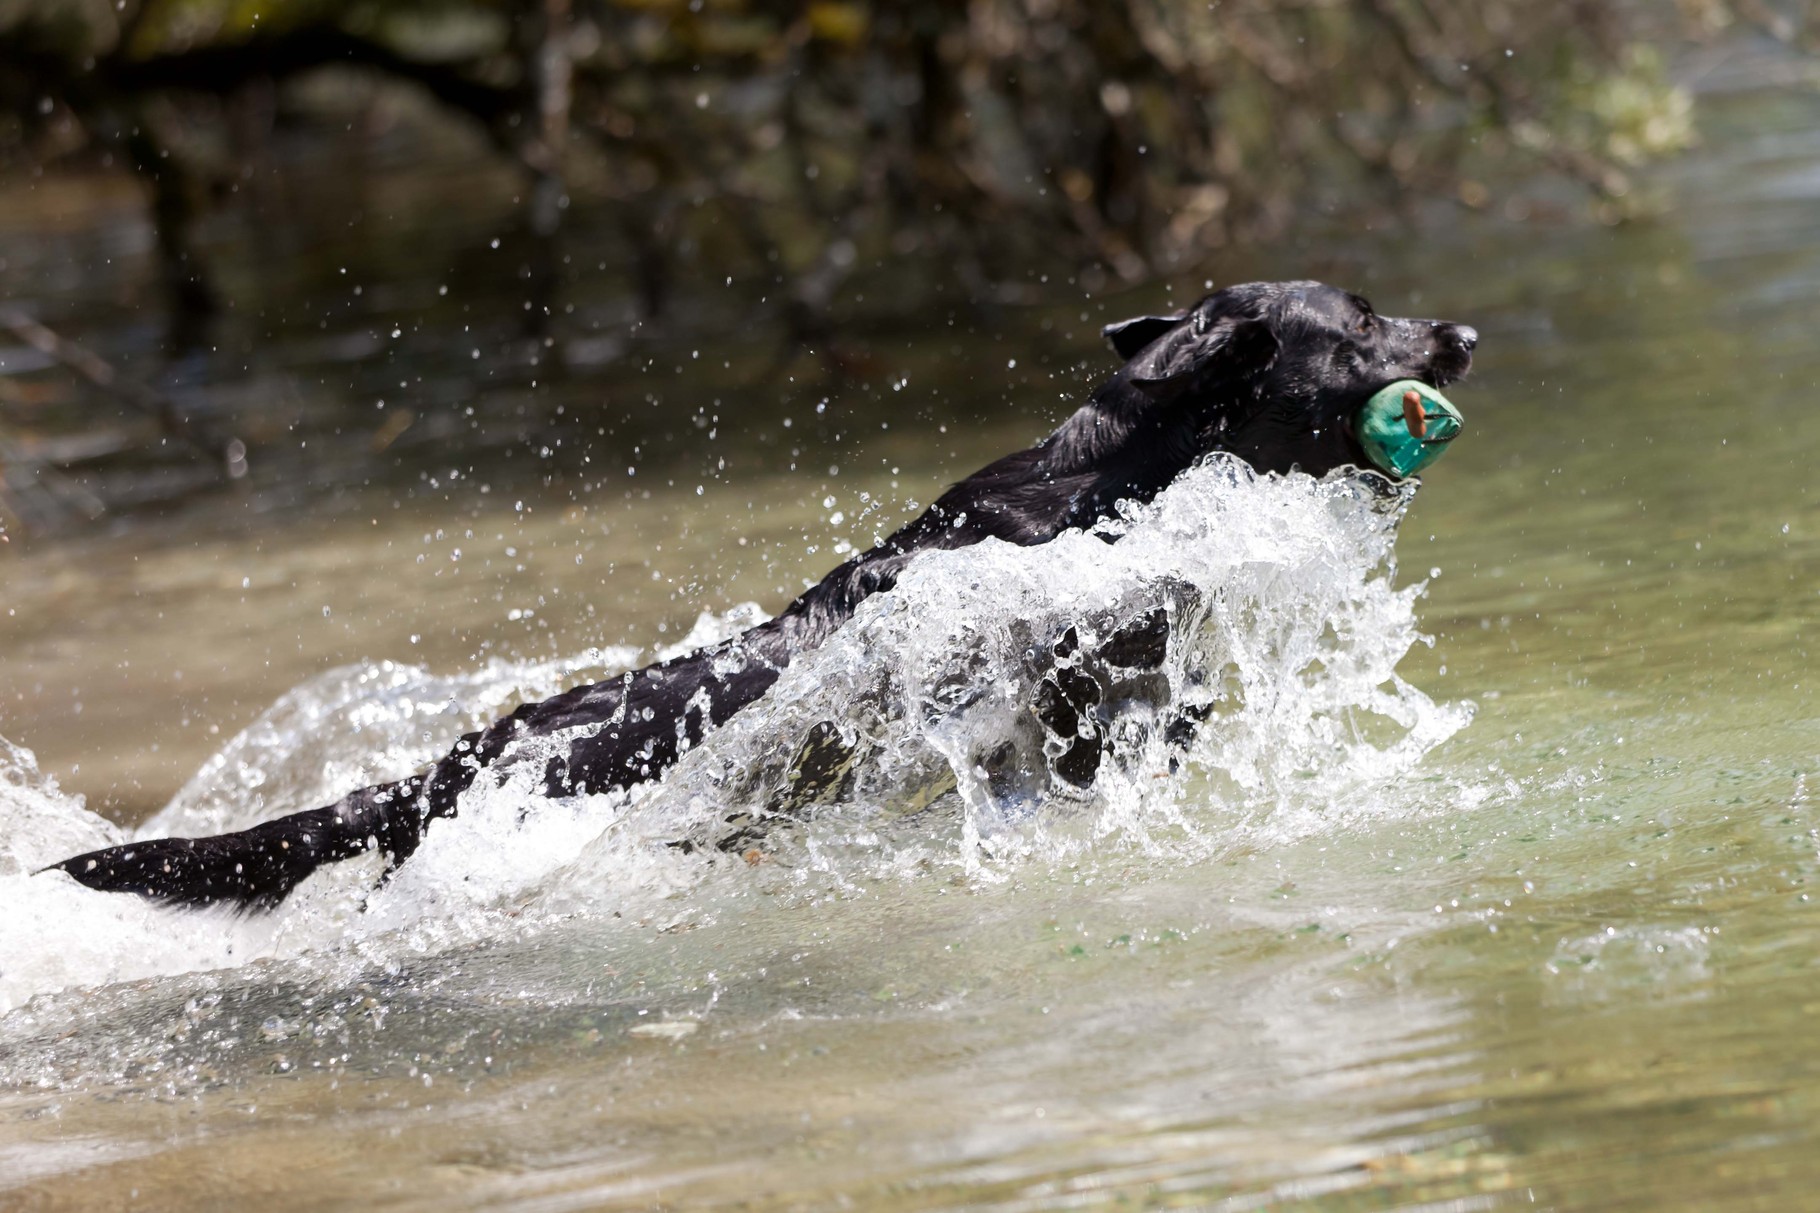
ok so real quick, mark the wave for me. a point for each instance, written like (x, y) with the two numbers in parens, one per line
(1278, 712)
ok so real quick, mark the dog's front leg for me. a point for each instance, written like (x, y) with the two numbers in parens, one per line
(1075, 697)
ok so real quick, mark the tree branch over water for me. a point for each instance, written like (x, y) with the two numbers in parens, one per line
(223, 68)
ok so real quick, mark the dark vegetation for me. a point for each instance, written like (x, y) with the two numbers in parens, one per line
(971, 146)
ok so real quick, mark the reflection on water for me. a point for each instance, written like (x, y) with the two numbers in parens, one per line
(1573, 964)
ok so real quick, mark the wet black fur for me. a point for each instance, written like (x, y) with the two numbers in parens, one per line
(1270, 372)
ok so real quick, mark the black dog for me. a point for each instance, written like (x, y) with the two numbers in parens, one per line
(1272, 373)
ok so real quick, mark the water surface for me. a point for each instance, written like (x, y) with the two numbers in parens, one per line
(1557, 949)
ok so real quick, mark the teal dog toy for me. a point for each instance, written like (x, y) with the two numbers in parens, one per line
(1406, 426)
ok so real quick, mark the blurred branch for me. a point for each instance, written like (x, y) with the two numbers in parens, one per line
(1488, 88)
(225, 67)
(135, 395)
(36, 495)
(544, 45)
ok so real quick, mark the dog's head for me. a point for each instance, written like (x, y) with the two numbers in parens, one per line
(1276, 372)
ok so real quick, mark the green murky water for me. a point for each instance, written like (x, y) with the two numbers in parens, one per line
(1582, 970)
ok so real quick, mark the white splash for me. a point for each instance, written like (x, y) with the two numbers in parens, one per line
(1285, 630)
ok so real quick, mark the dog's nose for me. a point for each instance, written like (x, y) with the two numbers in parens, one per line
(1467, 336)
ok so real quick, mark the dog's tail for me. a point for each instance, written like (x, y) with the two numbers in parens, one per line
(255, 869)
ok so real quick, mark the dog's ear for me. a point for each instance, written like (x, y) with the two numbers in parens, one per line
(1129, 337)
(1202, 350)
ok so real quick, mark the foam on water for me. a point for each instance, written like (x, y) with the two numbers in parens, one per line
(1285, 630)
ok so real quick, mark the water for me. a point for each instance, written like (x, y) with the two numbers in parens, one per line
(1284, 636)
(1527, 920)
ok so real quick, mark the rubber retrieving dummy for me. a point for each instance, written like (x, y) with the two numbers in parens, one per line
(1406, 426)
